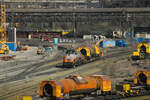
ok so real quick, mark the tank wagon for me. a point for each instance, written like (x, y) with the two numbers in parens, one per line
(99, 85)
(74, 85)
(143, 51)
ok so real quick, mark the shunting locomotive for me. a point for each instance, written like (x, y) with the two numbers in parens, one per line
(82, 54)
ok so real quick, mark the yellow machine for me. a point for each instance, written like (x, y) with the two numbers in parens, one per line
(3, 23)
(143, 51)
(91, 50)
(65, 32)
(24, 97)
(4, 49)
(142, 78)
(124, 89)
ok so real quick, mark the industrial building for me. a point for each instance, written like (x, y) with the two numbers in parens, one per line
(74, 49)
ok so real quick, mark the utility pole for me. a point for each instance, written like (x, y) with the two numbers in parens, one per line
(74, 21)
(101, 3)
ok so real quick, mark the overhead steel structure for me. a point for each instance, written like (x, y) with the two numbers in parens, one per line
(3, 23)
(81, 10)
(82, 15)
(50, 14)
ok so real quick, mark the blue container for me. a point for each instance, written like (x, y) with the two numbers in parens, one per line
(125, 45)
(11, 45)
(117, 42)
(108, 44)
(55, 41)
(147, 39)
(140, 40)
(121, 43)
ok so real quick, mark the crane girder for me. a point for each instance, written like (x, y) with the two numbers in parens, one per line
(3, 23)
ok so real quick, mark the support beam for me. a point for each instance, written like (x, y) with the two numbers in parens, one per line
(3, 23)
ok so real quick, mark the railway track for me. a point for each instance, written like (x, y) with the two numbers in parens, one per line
(23, 70)
(62, 73)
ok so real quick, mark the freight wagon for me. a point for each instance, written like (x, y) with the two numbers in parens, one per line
(97, 86)
(74, 85)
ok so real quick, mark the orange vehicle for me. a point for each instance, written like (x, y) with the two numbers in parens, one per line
(74, 85)
(142, 78)
(83, 54)
(73, 58)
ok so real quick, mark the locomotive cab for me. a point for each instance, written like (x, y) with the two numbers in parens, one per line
(72, 58)
(70, 51)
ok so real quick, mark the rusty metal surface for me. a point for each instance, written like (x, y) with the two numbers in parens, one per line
(79, 10)
(77, 83)
(6, 58)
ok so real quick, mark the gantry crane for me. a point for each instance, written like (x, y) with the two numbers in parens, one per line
(3, 23)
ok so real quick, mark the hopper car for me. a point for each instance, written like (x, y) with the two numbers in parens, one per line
(95, 85)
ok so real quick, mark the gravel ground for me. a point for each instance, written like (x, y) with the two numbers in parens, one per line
(34, 68)
(23, 58)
